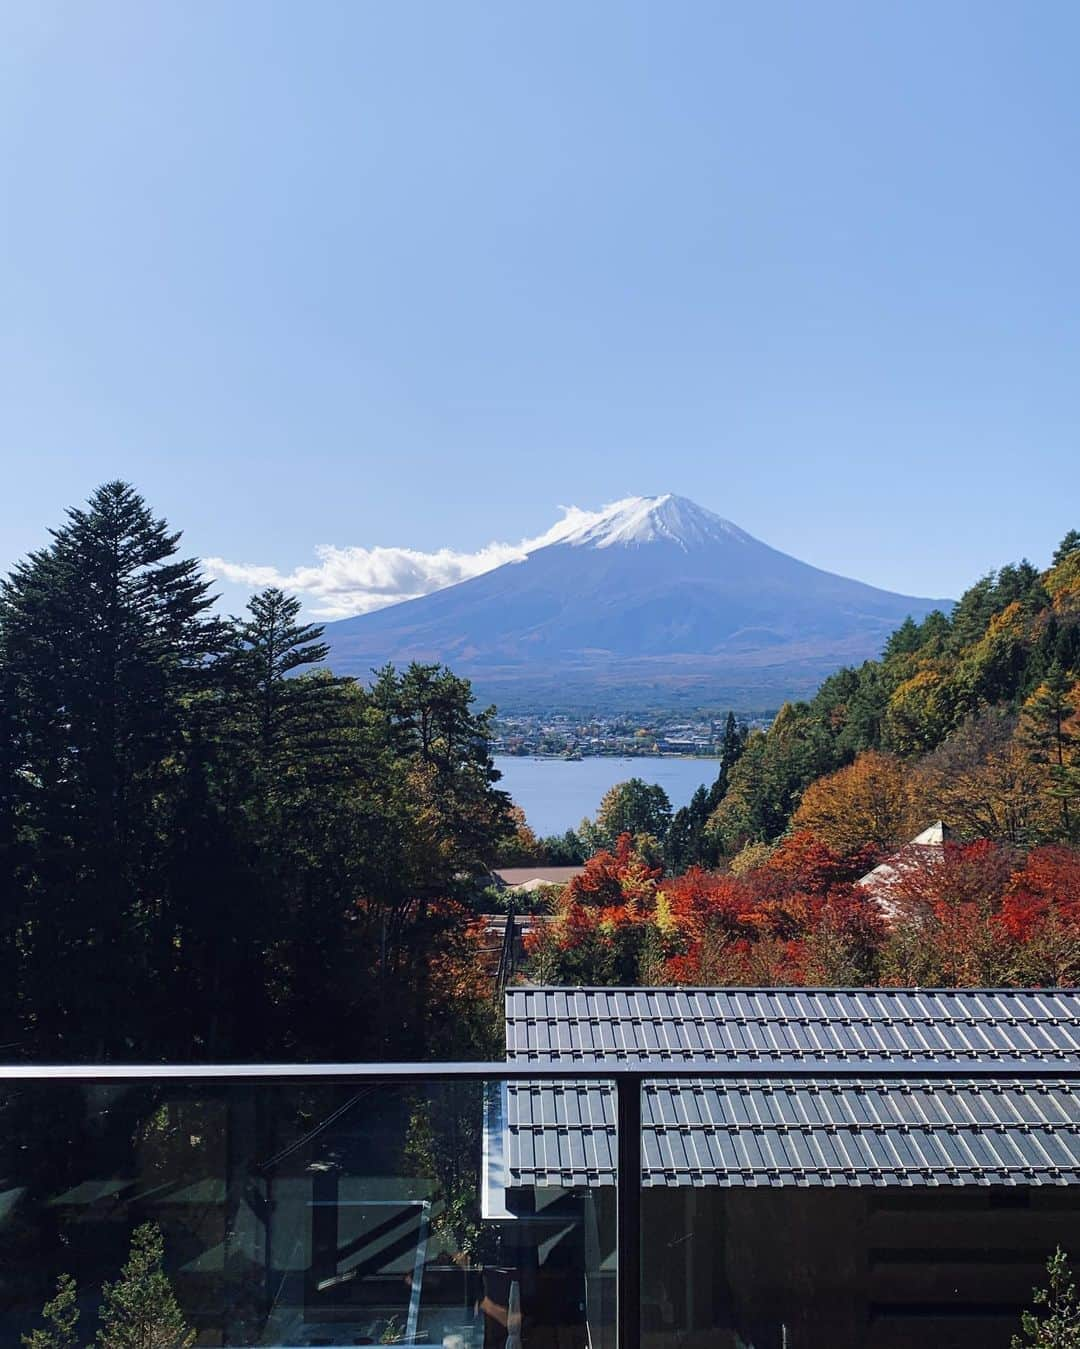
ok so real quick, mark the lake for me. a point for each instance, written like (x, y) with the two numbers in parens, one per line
(556, 794)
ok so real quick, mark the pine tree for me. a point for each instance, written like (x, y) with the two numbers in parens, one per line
(732, 744)
(288, 716)
(11, 850)
(140, 1310)
(104, 636)
(429, 725)
(1069, 544)
(687, 842)
(61, 1317)
(903, 640)
(1050, 740)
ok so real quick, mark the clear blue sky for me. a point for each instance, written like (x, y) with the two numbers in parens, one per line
(412, 275)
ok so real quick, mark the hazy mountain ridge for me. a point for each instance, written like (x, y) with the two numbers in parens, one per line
(653, 594)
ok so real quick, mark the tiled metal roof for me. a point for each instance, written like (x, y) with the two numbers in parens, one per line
(792, 1024)
(907, 1131)
(799, 1133)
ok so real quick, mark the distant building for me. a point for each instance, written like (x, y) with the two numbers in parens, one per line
(881, 883)
(527, 879)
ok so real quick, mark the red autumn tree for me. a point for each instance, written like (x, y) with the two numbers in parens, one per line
(621, 876)
(606, 928)
(945, 909)
(811, 865)
(1041, 916)
(965, 914)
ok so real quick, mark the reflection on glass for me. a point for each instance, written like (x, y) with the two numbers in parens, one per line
(323, 1214)
(759, 1267)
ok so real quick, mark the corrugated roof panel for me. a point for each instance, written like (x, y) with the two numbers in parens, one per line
(777, 1024)
(797, 1133)
(907, 1132)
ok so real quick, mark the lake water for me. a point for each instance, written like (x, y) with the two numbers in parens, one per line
(556, 794)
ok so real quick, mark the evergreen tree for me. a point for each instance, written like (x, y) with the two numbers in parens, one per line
(1069, 544)
(428, 723)
(197, 822)
(903, 640)
(687, 845)
(61, 1317)
(1050, 740)
(10, 864)
(688, 842)
(732, 744)
(564, 850)
(104, 636)
(287, 717)
(140, 1310)
(934, 632)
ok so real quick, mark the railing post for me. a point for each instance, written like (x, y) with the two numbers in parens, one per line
(628, 1212)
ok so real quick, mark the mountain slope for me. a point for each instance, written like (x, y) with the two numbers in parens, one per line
(652, 594)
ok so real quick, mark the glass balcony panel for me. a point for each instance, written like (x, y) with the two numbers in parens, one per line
(748, 1244)
(328, 1213)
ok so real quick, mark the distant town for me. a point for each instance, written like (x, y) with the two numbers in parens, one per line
(564, 735)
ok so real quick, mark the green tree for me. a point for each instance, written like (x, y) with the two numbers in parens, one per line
(851, 706)
(904, 640)
(1047, 731)
(564, 850)
(633, 807)
(1069, 544)
(61, 1317)
(772, 772)
(104, 636)
(140, 1310)
(428, 723)
(288, 715)
(687, 844)
(1057, 1325)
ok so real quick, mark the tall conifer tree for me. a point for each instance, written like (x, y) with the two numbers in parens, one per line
(104, 634)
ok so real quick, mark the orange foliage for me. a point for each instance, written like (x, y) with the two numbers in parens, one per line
(619, 877)
(812, 865)
(967, 914)
(1041, 915)
(867, 803)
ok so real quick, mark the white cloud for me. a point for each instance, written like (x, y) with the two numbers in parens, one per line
(348, 581)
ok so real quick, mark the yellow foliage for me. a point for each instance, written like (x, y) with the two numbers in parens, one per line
(918, 711)
(1011, 622)
(664, 918)
(1063, 584)
(981, 790)
(754, 855)
(869, 801)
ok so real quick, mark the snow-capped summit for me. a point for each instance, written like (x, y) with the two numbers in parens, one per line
(670, 518)
(650, 597)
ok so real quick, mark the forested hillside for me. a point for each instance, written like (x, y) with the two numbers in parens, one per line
(207, 853)
(970, 717)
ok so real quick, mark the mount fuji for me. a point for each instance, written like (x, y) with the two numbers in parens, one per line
(652, 601)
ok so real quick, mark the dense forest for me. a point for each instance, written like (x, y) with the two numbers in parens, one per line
(210, 849)
(971, 717)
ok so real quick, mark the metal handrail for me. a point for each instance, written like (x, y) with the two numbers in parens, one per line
(592, 1069)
